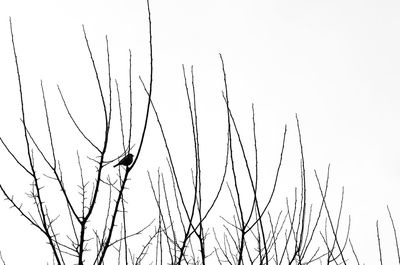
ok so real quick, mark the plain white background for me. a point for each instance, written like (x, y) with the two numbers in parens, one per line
(335, 64)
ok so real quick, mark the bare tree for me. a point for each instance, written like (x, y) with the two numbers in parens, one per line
(253, 232)
(80, 238)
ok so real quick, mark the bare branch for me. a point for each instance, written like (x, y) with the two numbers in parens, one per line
(394, 233)
(379, 242)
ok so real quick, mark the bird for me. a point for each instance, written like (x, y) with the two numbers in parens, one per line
(126, 161)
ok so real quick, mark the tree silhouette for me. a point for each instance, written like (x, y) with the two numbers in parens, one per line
(181, 233)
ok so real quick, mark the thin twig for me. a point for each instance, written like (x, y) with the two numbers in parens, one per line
(379, 242)
(395, 234)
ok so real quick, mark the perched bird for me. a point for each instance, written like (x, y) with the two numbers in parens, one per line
(126, 161)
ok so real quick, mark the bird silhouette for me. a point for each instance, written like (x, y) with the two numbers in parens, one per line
(126, 161)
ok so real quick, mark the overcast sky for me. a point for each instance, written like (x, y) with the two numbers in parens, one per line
(334, 63)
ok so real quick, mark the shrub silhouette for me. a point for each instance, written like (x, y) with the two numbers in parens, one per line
(180, 232)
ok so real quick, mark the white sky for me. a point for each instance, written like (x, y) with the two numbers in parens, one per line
(335, 63)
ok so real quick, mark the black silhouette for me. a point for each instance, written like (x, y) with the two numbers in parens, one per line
(126, 161)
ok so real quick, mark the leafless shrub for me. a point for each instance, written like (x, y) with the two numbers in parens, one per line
(179, 234)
